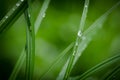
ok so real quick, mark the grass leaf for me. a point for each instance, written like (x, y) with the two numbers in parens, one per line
(97, 67)
(21, 59)
(12, 15)
(82, 23)
(113, 73)
(58, 58)
(86, 38)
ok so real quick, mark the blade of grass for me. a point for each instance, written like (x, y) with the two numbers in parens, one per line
(21, 59)
(82, 23)
(87, 37)
(97, 67)
(12, 15)
(41, 15)
(30, 52)
(92, 30)
(30, 41)
(58, 58)
(18, 65)
(113, 73)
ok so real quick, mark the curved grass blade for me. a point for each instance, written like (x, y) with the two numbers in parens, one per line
(21, 59)
(17, 67)
(82, 23)
(92, 30)
(97, 67)
(113, 73)
(30, 53)
(86, 38)
(41, 15)
(12, 15)
(30, 40)
(58, 58)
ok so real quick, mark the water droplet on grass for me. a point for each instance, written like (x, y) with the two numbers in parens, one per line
(79, 33)
(73, 53)
(76, 44)
(6, 17)
(86, 6)
(43, 15)
(29, 15)
(22, 0)
(13, 9)
(17, 4)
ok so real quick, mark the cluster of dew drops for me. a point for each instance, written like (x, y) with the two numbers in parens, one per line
(79, 35)
(14, 8)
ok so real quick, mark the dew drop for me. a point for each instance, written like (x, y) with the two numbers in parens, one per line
(6, 17)
(73, 53)
(76, 43)
(79, 33)
(17, 4)
(13, 9)
(86, 6)
(29, 15)
(43, 15)
(22, 0)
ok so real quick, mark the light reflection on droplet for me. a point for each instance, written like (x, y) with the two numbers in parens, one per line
(86, 6)
(43, 15)
(29, 15)
(76, 43)
(13, 9)
(17, 4)
(22, 0)
(73, 53)
(6, 17)
(79, 33)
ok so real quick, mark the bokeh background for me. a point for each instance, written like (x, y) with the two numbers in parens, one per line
(58, 29)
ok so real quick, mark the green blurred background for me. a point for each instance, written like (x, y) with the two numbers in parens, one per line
(57, 31)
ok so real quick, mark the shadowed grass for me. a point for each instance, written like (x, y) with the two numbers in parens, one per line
(97, 67)
(113, 73)
(12, 15)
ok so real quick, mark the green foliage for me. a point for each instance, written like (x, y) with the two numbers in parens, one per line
(83, 38)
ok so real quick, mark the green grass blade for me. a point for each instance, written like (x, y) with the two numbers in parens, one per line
(30, 40)
(58, 58)
(111, 75)
(41, 15)
(92, 30)
(30, 50)
(18, 66)
(97, 67)
(86, 38)
(12, 15)
(82, 23)
(20, 61)
(84, 15)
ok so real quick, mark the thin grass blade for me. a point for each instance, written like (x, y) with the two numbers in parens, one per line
(21, 59)
(113, 73)
(71, 59)
(97, 67)
(82, 23)
(57, 60)
(12, 15)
